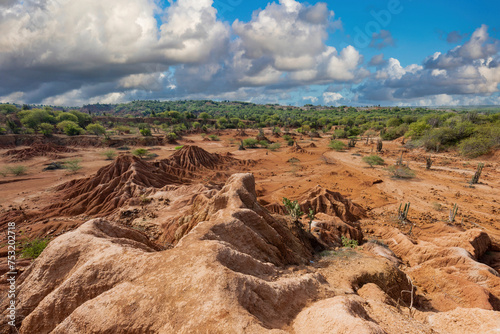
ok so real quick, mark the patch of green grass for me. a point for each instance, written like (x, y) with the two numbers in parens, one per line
(32, 249)
(17, 170)
(109, 154)
(349, 243)
(337, 145)
(72, 165)
(373, 160)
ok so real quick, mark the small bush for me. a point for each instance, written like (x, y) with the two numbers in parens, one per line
(213, 137)
(70, 128)
(122, 129)
(96, 129)
(475, 146)
(263, 143)
(46, 129)
(177, 148)
(146, 132)
(401, 172)
(140, 152)
(250, 142)
(72, 165)
(2, 131)
(373, 160)
(33, 249)
(349, 243)
(109, 154)
(274, 147)
(293, 208)
(17, 170)
(337, 145)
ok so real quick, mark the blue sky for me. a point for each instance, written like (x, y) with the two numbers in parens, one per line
(388, 52)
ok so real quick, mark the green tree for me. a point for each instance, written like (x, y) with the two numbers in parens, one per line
(66, 116)
(46, 129)
(70, 128)
(204, 116)
(33, 118)
(96, 129)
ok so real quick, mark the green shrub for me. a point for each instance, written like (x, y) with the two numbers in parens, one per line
(293, 208)
(66, 116)
(395, 132)
(250, 142)
(274, 147)
(73, 165)
(339, 133)
(109, 154)
(33, 249)
(287, 137)
(214, 138)
(337, 145)
(46, 129)
(96, 129)
(122, 129)
(263, 143)
(146, 132)
(177, 148)
(401, 172)
(475, 146)
(2, 131)
(349, 243)
(140, 152)
(70, 128)
(373, 160)
(17, 170)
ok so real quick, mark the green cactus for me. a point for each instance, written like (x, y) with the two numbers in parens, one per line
(453, 213)
(477, 174)
(403, 214)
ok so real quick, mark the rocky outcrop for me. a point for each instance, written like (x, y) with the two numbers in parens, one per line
(231, 260)
(446, 268)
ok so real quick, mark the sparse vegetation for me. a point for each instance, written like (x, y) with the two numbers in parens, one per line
(109, 154)
(401, 172)
(293, 209)
(140, 152)
(403, 213)
(274, 146)
(250, 143)
(337, 145)
(213, 137)
(146, 132)
(33, 249)
(17, 170)
(349, 243)
(96, 129)
(428, 163)
(453, 214)
(73, 165)
(70, 128)
(477, 174)
(373, 160)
